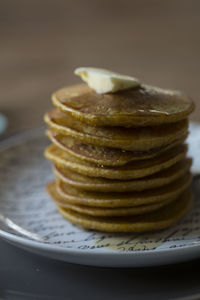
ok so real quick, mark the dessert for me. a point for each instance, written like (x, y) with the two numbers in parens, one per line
(119, 153)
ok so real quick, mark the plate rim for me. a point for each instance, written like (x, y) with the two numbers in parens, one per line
(19, 138)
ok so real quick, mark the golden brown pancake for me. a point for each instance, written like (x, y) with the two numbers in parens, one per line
(143, 106)
(120, 158)
(87, 183)
(104, 212)
(135, 169)
(103, 155)
(117, 199)
(160, 219)
(134, 139)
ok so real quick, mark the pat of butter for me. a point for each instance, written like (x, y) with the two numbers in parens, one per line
(104, 81)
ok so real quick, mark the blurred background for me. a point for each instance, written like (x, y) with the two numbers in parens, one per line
(42, 42)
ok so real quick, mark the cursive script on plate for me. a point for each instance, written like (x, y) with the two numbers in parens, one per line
(26, 210)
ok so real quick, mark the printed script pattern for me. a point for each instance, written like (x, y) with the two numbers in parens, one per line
(27, 211)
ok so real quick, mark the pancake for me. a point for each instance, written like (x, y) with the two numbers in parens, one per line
(103, 155)
(115, 199)
(134, 139)
(135, 169)
(119, 158)
(160, 219)
(143, 106)
(107, 185)
(104, 212)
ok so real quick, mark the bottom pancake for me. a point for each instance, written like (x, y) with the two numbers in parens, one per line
(157, 220)
(104, 212)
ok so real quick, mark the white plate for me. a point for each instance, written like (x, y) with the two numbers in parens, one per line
(29, 219)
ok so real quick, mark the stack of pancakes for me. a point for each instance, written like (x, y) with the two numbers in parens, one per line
(120, 159)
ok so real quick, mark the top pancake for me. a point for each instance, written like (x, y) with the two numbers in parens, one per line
(143, 106)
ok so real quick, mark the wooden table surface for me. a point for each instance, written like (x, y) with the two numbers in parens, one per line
(41, 42)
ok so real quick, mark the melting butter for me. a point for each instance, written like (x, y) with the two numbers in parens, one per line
(105, 81)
